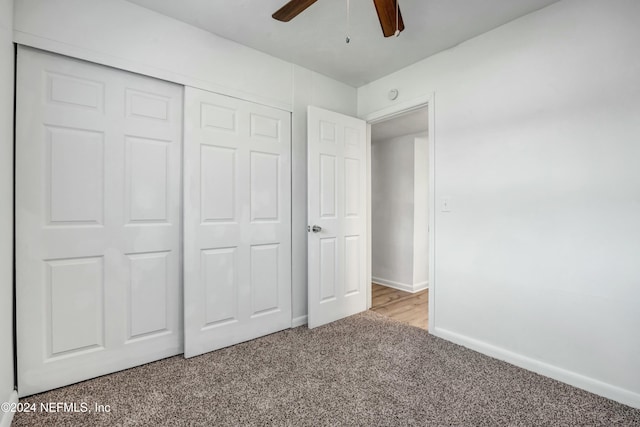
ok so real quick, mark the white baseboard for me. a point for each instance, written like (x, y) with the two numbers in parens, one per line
(7, 417)
(417, 287)
(401, 286)
(299, 321)
(572, 378)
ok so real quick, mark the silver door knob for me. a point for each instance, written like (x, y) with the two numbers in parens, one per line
(316, 229)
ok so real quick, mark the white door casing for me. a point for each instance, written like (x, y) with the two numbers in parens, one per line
(237, 219)
(336, 189)
(98, 161)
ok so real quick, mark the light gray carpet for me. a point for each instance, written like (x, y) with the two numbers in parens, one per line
(365, 370)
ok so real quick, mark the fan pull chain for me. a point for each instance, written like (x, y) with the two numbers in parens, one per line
(347, 39)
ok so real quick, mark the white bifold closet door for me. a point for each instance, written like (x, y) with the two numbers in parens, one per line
(237, 250)
(98, 184)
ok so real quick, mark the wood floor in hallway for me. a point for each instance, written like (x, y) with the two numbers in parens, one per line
(403, 306)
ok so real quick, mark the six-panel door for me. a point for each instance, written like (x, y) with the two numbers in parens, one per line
(98, 179)
(336, 191)
(237, 215)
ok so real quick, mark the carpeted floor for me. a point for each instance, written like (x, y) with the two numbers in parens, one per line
(365, 370)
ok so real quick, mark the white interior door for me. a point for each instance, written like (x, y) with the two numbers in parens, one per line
(336, 187)
(98, 156)
(237, 265)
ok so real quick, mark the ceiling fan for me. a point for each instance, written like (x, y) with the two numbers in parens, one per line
(388, 14)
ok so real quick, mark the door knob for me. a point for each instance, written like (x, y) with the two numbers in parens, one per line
(315, 228)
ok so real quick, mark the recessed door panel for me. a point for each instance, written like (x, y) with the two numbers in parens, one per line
(265, 127)
(76, 304)
(327, 132)
(217, 118)
(328, 265)
(147, 105)
(352, 188)
(217, 183)
(147, 179)
(328, 190)
(220, 285)
(76, 187)
(265, 186)
(264, 278)
(148, 285)
(352, 268)
(74, 91)
(352, 139)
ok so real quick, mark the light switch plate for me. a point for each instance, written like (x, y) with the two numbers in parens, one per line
(445, 204)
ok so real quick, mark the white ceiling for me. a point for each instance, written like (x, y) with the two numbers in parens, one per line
(406, 124)
(315, 39)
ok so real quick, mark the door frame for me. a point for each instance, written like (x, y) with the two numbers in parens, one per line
(381, 115)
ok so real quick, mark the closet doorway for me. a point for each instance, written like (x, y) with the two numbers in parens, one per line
(133, 243)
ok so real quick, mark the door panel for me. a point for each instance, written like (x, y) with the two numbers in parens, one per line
(98, 181)
(336, 190)
(237, 221)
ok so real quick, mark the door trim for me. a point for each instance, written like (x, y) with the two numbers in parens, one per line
(387, 113)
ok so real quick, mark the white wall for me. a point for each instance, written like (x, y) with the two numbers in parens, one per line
(421, 213)
(392, 208)
(536, 146)
(149, 43)
(399, 191)
(6, 206)
(130, 37)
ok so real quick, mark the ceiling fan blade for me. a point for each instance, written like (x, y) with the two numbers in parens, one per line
(292, 9)
(387, 15)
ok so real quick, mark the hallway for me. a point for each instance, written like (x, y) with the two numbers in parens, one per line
(399, 305)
